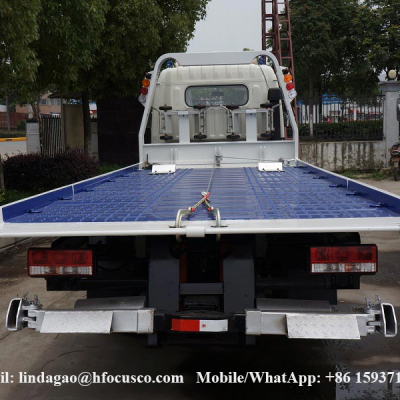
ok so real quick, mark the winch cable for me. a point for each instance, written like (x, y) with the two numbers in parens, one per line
(204, 199)
(205, 194)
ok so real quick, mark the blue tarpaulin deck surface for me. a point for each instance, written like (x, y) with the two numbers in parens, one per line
(240, 194)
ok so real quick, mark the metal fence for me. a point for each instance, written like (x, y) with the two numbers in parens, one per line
(341, 118)
(52, 140)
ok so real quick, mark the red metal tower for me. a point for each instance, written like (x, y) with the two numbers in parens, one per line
(276, 31)
(277, 34)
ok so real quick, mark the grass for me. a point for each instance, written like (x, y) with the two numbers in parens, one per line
(14, 195)
(104, 168)
(4, 134)
(375, 175)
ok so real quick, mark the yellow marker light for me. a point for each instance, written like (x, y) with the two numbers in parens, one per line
(145, 83)
(288, 78)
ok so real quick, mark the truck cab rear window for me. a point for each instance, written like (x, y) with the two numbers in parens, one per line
(218, 95)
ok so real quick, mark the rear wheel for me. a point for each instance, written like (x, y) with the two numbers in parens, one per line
(396, 173)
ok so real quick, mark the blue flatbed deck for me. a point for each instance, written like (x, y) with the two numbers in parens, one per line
(240, 193)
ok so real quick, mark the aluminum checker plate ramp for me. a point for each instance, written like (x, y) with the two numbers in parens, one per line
(319, 326)
(77, 322)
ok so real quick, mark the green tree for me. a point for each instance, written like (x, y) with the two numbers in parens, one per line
(98, 48)
(102, 48)
(136, 33)
(320, 31)
(332, 46)
(18, 29)
(353, 72)
(381, 20)
(18, 62)
(70, 33)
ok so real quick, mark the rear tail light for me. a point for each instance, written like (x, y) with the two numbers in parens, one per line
(290, 86)
(45, 262)
(288, 78)
(344, 259)
(144, 90)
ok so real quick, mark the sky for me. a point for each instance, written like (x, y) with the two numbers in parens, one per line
(230, 25)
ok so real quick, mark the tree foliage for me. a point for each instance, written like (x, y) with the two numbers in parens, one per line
(328, 51)
(98, 48)
(381, 21)
(136, 33)
(18, 30)
(102, 47)
(70, 31)
(343, 45)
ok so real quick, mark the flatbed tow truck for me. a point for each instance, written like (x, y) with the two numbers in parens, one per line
(220, 233)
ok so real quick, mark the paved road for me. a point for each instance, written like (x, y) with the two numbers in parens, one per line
(126, 354)
(12, 148)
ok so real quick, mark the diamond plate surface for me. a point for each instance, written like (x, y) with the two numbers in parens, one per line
(77, 322)
(316, 326)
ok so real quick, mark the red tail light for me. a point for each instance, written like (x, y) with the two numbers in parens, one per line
(361, 259)
(45, 262)
(290, 86)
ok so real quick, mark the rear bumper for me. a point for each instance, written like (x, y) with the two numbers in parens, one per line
(294, 319)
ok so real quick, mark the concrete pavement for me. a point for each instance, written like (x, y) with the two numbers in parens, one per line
(12, 148)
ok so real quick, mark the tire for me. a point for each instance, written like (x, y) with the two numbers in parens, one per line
(396, 173)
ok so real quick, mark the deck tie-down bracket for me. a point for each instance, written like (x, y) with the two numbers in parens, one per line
(189, 211)
(270, 167)
(378, 205)
(163, 169)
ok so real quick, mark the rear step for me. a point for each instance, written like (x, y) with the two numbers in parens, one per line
(294, 318)
(119, 314)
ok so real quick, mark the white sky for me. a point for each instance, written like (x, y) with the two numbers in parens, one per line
(230, 25)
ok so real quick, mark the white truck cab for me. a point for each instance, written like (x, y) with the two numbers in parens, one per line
(205, 92)
(198, 106)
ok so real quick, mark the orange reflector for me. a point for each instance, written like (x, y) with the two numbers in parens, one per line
(288, 78)
(145, 83)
